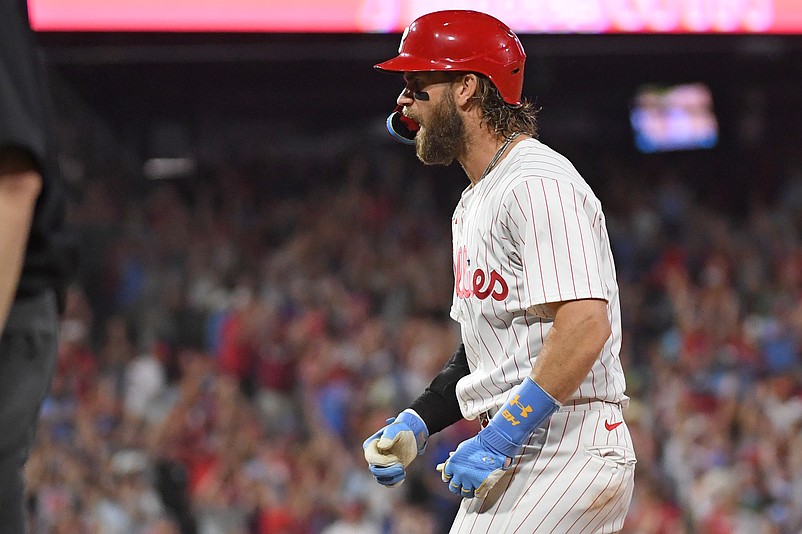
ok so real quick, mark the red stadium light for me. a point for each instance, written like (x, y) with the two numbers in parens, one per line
(370, 16)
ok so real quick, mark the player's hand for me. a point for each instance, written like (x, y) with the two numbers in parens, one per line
(474, 468)
(479, 462)
(390, 450)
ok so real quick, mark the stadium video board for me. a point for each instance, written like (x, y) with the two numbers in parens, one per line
(385, 16)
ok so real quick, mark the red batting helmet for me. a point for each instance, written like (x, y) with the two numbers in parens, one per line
(460, 40)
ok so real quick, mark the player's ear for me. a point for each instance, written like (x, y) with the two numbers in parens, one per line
(466, 87)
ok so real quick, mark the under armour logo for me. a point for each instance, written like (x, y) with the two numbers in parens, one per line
(525, 410)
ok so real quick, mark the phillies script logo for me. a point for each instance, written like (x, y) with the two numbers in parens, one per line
(477, 283)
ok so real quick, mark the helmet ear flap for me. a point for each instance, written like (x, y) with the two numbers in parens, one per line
(401, 127)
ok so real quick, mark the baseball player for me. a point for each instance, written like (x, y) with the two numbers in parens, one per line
(535, 295)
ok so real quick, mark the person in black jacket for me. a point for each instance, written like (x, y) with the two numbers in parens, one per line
(32, 276)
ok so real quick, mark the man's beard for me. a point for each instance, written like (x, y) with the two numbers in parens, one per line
(442, 139)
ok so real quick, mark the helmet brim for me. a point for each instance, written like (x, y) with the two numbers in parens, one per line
(407, 63)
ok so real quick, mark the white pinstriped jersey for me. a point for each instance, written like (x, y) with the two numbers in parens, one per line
(531, 232)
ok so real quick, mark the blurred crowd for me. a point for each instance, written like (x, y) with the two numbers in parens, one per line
(227, 348)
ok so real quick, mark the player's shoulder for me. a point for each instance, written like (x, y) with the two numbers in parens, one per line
(534, 161)
(537, 158)
(537, 175)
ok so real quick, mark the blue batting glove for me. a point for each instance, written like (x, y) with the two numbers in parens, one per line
(473, 468)
(390, 450)
(390, 476)
(479, 462)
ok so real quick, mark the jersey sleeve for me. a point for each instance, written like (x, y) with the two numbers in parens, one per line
(22, 113)
(553, 227)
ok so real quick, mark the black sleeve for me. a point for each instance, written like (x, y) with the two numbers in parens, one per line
(23, 116)
(438, 405)
(27, 124)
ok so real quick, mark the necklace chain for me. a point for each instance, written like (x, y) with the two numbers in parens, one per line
(498, 154)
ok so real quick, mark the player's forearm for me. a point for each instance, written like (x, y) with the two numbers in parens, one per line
(20, 185)
(572, 346)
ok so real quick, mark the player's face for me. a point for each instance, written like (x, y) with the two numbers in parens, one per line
(442, 131)
(441, 138)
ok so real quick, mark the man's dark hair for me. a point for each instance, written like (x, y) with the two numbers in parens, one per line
(503, 118)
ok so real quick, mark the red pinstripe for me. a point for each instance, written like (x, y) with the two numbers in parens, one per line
(509, 481)
(489, 353)
(545, 468)
(567, 239)
(557, 476)
(551, 236)
(592, 503)
(579, 498)
(514, 332)
(495, 312)
(596, 429)
(611, 509)
(537, 247)
(581, 236)
(483, 387)
(608, 345)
